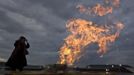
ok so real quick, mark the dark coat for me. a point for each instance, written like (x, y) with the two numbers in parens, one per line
(18, 56)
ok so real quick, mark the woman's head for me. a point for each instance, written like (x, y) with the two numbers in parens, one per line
(22, 38)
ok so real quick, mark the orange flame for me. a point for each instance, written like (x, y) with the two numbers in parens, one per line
(98, 10)
(115, 3)
(83, 33)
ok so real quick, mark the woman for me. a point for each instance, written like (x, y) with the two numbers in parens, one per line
(17, 59)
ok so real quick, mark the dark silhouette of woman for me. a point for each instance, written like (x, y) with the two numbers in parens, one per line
(17, 60)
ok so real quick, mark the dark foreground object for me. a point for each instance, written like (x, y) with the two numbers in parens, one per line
(92, 68)
(62, 69)
(106, 68)
(29, 67)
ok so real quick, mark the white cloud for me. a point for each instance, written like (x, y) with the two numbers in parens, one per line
(2, 60)
(29, 23)
(10, 3)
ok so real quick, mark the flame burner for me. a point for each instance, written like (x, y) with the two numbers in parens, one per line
(84, 32)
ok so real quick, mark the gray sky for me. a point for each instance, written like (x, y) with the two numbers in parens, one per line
(43, 23)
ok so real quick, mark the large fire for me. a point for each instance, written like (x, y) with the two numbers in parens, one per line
(84, 32)
(98, 10)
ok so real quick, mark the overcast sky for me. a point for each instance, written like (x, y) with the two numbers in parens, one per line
(43, 24)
